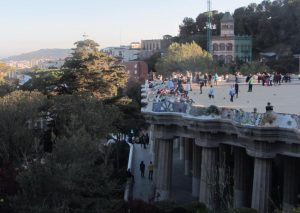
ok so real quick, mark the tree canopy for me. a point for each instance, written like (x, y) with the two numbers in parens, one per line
(183, 57)
(4, 69)
(89, 70)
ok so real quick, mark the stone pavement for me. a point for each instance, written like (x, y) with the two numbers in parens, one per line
(181, 191)
(142, 188)
(285, 98)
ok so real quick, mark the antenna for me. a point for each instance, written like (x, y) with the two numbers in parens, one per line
(209, 26)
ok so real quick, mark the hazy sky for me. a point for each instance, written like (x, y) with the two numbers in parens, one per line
(28, 25)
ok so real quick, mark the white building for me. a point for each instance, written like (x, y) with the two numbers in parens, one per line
(124, 53)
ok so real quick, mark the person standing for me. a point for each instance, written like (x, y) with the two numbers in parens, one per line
(269, 107)
(250, 83)
(236, 87)
(205, 79)
(216, 78)
(211, 92)
(142, 168)
(201, 83)
(231, 93)
(150, 169)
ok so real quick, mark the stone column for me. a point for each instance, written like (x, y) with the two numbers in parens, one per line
(196, 170)
(188, 156)
(261, 184)
(164, 168)
(242, 178)
(290, 183)
(209, 177)
(181, 148)
(151, 139)
(155, 157)
(176, 143)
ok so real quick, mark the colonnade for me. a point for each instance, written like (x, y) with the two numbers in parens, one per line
(223, 174)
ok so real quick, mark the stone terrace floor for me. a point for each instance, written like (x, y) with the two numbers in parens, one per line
(285, 98)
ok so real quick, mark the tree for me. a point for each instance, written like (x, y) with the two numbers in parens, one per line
(17, 110)
(183, 57)
(188, 27)
(4, 70)
(253, 68)
(91, 71)
(77, 177)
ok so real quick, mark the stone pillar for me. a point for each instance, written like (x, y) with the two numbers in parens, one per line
(225, 176)
(242, 178)
(164, 168)
(261, 185)
(188, 156)
(151, 139)
(155, 157)
(176, 143)
(209, 177)
(290, 183)
(196, 170)
(181, 148)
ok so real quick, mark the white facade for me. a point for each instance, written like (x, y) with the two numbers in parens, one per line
(123, 52)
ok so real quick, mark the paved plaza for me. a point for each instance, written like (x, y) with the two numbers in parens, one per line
(285, 98)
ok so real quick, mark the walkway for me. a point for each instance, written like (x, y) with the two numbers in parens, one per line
(285, 98)
(181, 191)
(142, 188)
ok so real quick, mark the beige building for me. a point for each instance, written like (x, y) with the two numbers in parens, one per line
(227, 47)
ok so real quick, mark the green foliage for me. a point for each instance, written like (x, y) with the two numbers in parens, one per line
(88, 111)
(183, 57)
(43, 80)
(75, 177)
(16, 110)
(253, 68)
(6, 88)
(91, 71)
(270, 24)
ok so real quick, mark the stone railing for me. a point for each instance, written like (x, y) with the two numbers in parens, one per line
(172, 105)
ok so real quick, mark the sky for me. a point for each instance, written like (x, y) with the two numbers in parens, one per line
(28, 25)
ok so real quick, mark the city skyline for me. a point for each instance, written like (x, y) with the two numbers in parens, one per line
(34, 25)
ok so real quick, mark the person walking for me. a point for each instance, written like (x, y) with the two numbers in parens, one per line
(236, 87)
(231, 93)
(205, 79)
(250, 83)
(142, 168)
(216, 78)
(150, 169)
(201, 83)
(211, 92)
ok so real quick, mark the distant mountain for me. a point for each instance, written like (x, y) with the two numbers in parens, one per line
(42, 54)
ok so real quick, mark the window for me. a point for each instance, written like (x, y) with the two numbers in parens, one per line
(229, 58)
(221, 58)
(215, 47)
(229, 47)
(215, 57)
(222, 47)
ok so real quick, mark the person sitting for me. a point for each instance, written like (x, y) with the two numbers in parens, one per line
(269, 107)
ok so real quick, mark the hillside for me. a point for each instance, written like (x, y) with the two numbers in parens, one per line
(42, 54)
